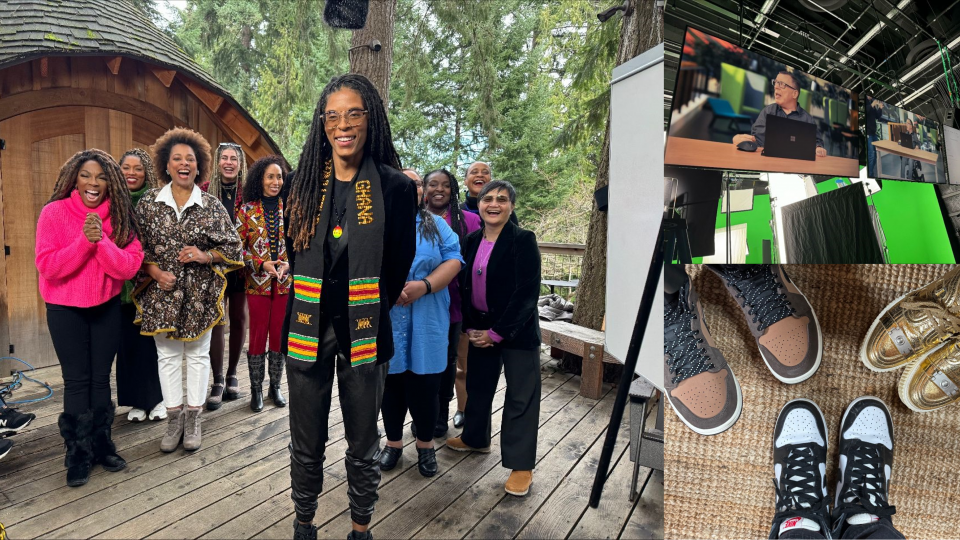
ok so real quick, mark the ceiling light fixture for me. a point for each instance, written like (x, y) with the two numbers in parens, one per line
(873, 32)
(933, 57)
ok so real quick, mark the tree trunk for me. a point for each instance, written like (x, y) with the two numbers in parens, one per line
(375, 65)
(642, 29)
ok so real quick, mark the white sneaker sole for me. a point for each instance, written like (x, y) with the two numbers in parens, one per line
(14, 431)
(722, 427)
(3, 455)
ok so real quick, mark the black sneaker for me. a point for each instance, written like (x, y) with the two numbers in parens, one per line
(5, 446)
(698, 382)
(866, 464)
(800, 464)
(12, 421)
(779, 316)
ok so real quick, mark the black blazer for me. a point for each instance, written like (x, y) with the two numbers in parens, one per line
(399, 248)
(513, 287)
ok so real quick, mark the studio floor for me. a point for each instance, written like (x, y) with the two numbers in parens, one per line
(238, 484)
(722, 486)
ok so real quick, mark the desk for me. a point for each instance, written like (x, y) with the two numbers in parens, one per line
(698, 153)
(892, 147)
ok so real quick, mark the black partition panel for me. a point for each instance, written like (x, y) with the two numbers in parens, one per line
(833, 227)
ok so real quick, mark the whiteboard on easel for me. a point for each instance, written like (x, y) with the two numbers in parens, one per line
(636, 207)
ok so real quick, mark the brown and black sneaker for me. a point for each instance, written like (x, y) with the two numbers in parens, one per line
(697, 380)
(779, 316)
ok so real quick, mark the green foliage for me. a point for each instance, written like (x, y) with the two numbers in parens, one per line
(522, 85)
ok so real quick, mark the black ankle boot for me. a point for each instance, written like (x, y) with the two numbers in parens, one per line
(356, 535)
(75, 431)
(104, 450)
(256, 398)
(444, 412)
(304, 532)
(389, 457)
(427, 461)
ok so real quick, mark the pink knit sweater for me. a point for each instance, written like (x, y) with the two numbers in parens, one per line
(74, 271)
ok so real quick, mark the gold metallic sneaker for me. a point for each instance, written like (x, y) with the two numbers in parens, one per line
(932, 382)
(913, 324)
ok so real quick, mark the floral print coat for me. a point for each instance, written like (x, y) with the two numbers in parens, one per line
(196, 304)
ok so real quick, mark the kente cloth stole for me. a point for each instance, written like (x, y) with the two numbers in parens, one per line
(365, 219)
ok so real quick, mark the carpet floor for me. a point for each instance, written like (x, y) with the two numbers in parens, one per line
(722, 486)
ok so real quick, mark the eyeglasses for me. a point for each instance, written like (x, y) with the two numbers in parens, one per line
(781, 85)
(353, 117)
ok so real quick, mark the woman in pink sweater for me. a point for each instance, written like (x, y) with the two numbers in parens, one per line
(86, 248)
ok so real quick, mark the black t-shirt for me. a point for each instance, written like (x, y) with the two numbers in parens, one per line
(334, 247)
(228, 196)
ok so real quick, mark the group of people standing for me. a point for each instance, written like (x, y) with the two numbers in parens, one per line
(345, 266)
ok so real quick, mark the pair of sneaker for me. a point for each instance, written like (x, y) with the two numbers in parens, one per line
(11, 422)
(139, 415)
(698, 382)
(920, 330)
(865, 466)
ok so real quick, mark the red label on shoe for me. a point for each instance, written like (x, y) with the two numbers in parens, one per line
(792, 522)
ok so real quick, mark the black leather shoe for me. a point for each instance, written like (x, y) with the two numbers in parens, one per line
(276, 396)
(256, 398)
(458, 420)
(427, 461)
(304, 532)
(389, 457)
(356, 535)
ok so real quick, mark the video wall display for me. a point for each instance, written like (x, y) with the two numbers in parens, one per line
(902, 145)
(737, 109)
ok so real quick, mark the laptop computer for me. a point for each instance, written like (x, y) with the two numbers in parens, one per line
(906, 139)
(791, 139)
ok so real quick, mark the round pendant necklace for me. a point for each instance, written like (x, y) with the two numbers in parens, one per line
(337, 229)
(484, 261)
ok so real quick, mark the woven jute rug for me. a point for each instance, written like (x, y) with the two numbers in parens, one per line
(722, 486)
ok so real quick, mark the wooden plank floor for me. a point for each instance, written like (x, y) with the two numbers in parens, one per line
(238, 484)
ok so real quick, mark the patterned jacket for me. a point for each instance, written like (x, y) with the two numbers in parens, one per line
(252, 227)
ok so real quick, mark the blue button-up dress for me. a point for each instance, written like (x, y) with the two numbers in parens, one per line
(421, 330)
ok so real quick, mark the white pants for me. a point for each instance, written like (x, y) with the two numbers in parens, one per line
(170, 353)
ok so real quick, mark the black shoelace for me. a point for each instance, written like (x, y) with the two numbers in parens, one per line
(681, 343)
(865, 483)
(799, 493)
(759, 288)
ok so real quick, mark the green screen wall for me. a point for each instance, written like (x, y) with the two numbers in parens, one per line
(758, 227)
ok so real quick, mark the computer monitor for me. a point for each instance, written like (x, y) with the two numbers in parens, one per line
(902, 145)
(725, 94)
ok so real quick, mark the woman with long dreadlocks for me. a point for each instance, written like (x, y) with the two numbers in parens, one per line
(190, 246)
(420, 320)
(226, 184)
(86, 248)
(352, 226)
(442, 198)
(138, 381)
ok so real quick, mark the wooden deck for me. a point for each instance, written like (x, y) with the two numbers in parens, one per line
(238, 485)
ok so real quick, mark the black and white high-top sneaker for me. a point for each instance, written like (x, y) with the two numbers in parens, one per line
(866, 463)
(800, 464)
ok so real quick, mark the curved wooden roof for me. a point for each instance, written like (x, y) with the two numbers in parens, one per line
(31, 29)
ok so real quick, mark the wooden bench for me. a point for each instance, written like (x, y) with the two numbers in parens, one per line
(585, 343)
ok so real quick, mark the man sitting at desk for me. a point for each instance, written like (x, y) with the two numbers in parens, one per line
(786, 90)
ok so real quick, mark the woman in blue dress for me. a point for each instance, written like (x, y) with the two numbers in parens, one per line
(421, 320)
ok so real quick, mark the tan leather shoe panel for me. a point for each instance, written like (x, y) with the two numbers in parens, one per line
(704, 394)
(788, 340)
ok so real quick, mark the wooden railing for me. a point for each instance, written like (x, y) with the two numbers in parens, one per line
(561, 262)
